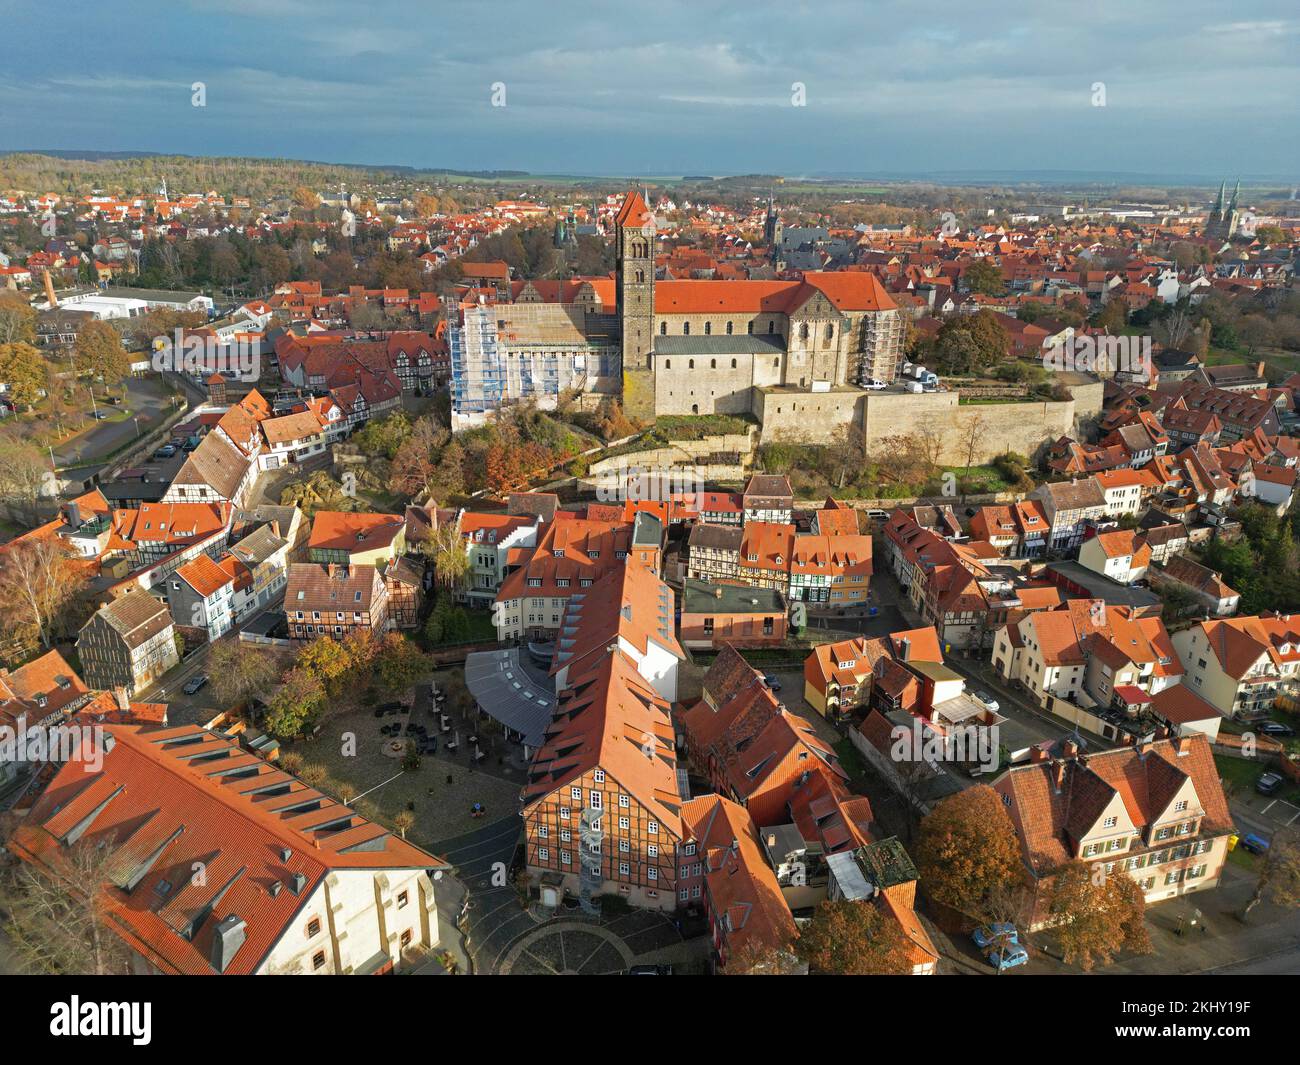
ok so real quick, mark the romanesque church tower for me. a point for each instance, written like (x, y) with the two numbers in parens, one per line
(635, 246)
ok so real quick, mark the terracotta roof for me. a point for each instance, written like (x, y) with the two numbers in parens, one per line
(351, 531)
(159, 801)
(1055, 803)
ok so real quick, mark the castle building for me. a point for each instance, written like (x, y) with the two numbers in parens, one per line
(677, 347)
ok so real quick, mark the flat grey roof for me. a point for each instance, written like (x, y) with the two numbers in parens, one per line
(701, 597)
(736, 344)
(1100, 586)
(506, 692)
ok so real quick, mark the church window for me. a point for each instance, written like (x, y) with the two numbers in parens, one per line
(691, 364)
(803, 331)
(830, 331)
(728, 329)
(686, 329)
(733, 364)
(668, 364)
(663, 329)
(713, 364)
(771, 327)
(708, 329)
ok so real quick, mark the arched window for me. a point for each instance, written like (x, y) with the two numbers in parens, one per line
(708, 329)
(640, 275)
(691, 365)
(771, 327)
(803, 331)
(776, 363)
(830, 331)
(728, 329)
(733, 364)
(663, 329)
(713, 364)
(695, 408)
(686, 329)
(751, 325)
(668, 364)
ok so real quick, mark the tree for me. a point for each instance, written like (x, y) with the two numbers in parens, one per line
(57, 916)
(24, 371)
(99, 349)
(404, 821)
(383, 436)
(327, 660)
(984, 276)
(38, 581)
(399, 663)
(25, 477)
(448, 623)
(305, 198)
(294, 707)
(17, 319)
(240, 672)
(450, 558)
(1279, 879)
(971, 344)
(967, 849)
(1095, 916)
(847, 938)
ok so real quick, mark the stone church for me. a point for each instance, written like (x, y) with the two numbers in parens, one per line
(800, 350)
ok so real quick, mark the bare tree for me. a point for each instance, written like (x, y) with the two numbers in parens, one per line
(1279, 879)
(58, 918)
(37, 582)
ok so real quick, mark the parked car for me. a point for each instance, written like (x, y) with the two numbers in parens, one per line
(165, 452)
(1275, 728)
(772, 683)
(1268, 783)
(99, 415)
(1008, 957)
(193, 685)
(875, 386)
(985, 699)
(650, 970)
(986, 935)
(1253, 843)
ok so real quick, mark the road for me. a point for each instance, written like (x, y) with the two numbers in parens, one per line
(1285, 962)
(146, 399)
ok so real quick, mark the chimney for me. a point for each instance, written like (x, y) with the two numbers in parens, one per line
(717, 591)
(1037, 754)
(1058, 774)
(123, 698)
(73, 513)
(49, 291)
(227, 938)
(904, 648)
(1069, 749)
(771, 839)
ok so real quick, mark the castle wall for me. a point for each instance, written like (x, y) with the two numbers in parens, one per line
(1020, 427)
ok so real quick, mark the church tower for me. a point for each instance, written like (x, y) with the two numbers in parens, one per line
(635, 250)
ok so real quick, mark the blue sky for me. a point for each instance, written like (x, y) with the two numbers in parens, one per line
(668, 87)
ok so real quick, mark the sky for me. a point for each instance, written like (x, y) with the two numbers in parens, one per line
(1190, 89)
